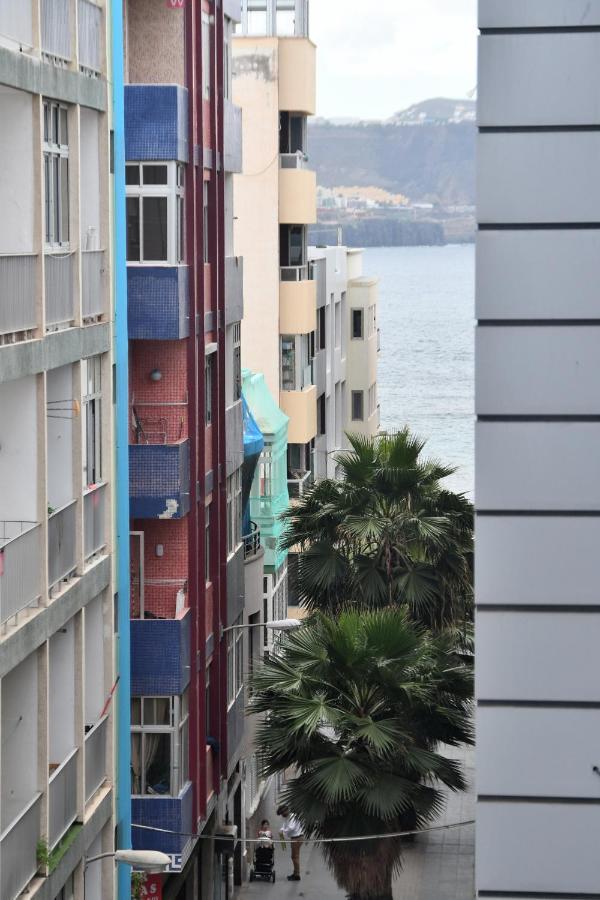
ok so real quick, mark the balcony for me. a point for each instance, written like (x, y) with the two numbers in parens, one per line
(156, 122)
(60, 305)
(297, 305)
(298, 483)
(297, 273)
(18, 313)
(95, 757)
(160, 654)
(20, 568)
(301, 408)
(157, 303)
(157, 810)
(56, 30)
(159, 480)
(62, 799)
(62, 561)
(90, 36)
(232, 147)
(93, 289)
(94, 520)
(297, 75)
(18, 850)
(234, 289)
(252, 542)
(297, 197)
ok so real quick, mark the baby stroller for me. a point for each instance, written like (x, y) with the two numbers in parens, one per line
(263, 864)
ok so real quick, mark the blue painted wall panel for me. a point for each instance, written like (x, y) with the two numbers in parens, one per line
(159, 480)
(172, 813)
(156, 117)
(158, 303)
(160, 656)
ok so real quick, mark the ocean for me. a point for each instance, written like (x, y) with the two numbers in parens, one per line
(426, 377)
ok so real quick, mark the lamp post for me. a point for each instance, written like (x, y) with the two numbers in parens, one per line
(149, 861)
(276, 625)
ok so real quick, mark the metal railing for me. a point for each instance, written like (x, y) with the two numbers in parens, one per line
(251, 541)
(18, 293)
(297, 160)
(62, 799)
(20, 568)
(95, 757)
(90, 35)
(92, 283)
(18, 850)
(56, 28)
(298, 485)
(94, 518)
(60, 309)
(297, 273)
(61, 543)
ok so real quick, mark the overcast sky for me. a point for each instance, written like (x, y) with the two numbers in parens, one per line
(376, 57)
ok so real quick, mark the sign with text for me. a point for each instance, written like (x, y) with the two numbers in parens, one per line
(152, 888)
(175, 4)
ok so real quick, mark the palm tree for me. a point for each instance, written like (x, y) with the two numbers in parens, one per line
(358, 706)
(385, 533)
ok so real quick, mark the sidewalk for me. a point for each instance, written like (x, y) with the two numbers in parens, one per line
(438, 866)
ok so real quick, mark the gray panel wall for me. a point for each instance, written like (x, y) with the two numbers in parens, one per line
(538, 450)
(235, 585)
(234, 437)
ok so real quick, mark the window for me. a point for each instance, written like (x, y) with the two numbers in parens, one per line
(91, 390)
(264, 473)
(207, 544)
(321, 328)
(321, 414)
(206, 61)
(208, 388)
(156, 766)
(288, 363)
(155, 213)
(338, 324)
(206, 220)
(234, 511)
(357, 406)
(357, 324)
(56, 174)
(237, 361)
(68, 891)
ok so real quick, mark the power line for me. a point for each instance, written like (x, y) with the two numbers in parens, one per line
(338, 840)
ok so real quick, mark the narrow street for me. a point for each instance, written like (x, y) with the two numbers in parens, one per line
(438, 866)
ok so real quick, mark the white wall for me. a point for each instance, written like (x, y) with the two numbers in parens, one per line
(61, 709)
(90, 179)
(60, 436)
(94, 631)
(18, 450)
(15, 22)
(16, 165)
(19, 738)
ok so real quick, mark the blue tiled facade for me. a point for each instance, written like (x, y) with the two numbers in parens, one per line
(159, 480)
(158, 303)
(160, 656)
(171, 813)
(156, 122)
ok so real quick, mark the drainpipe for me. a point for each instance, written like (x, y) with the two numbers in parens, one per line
(121, 353)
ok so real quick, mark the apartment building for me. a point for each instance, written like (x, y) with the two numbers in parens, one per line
(347, 344)
(58, 614)
(537, 475)
(185, 303)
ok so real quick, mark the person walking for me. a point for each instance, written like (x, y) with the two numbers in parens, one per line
(291, 830)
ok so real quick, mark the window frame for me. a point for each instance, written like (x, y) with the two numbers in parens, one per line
(174, 193)
(55, 151)
(178, 730)
(234, 512)
(92, 420)
(357, 312)
(361, 395)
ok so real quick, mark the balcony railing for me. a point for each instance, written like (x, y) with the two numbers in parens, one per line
(92, 283)
(252, 541)
(95, 757)
(298, 484)
(61, 543)
(90, 36)
(18, 314)
(20, 568)
(297, 273)
(60, 309)
(18, 850)
(62, 799)
(56, 29)
(94, 513)
(297, 160)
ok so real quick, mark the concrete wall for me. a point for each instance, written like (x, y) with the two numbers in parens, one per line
(537, 472)
(16, 23)
(154, 38)
(362, 355)
(256, 229)
(17, 167)
(61, 690)
(18, 450)
(60, 436)
(94, 639)
(19, 738)
(297, 75)
(301, 407)
(90, 180)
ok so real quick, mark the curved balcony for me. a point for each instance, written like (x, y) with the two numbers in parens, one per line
(252, 542)
(297, 197)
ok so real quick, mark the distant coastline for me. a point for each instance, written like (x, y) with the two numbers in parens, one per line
(388, 232)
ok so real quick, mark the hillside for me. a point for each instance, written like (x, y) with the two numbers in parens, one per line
(426, 152)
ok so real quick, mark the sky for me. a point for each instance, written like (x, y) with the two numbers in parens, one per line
(376, 57)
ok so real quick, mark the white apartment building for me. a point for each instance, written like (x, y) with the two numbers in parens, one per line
(538, 449)
(56, 467)
(346, 348)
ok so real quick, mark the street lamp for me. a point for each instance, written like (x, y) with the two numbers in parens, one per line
(277, 625)
(150, 861)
